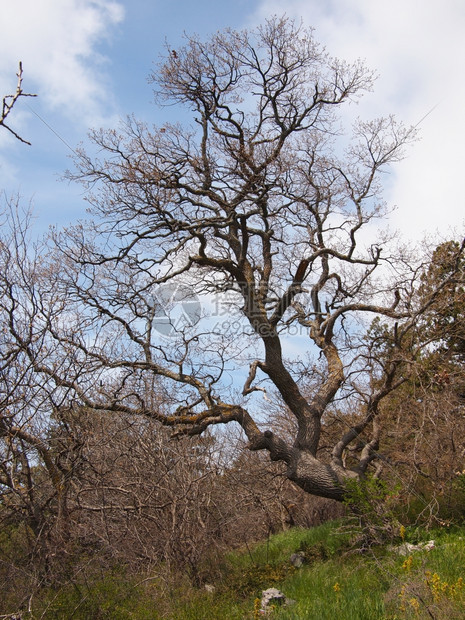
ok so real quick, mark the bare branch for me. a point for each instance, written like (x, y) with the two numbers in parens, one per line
(9, 102)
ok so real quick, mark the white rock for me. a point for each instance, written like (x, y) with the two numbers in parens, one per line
(408, 548)
(270, 596)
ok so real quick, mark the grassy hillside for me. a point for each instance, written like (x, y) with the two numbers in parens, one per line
(336, 581)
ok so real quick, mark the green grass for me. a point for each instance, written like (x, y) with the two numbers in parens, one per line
(381, 585)
(336, 582)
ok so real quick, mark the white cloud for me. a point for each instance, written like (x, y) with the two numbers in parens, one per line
(417, 49)
(57, 41)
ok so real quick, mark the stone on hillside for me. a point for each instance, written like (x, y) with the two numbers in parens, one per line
(272, 596)
(408, 548)
(297, 559)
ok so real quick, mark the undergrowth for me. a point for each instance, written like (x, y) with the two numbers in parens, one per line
(335, 581)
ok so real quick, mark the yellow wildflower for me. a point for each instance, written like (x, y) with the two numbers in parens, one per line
(407, 565)
(413, 602)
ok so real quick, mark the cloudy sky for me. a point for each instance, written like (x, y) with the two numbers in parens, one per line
(88, 62)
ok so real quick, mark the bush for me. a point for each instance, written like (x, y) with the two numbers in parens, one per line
(373, 504)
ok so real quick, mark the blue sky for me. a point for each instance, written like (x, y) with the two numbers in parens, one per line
(88, 61)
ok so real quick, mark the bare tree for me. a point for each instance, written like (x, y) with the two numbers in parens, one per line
(257, 209)
(9, 102)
